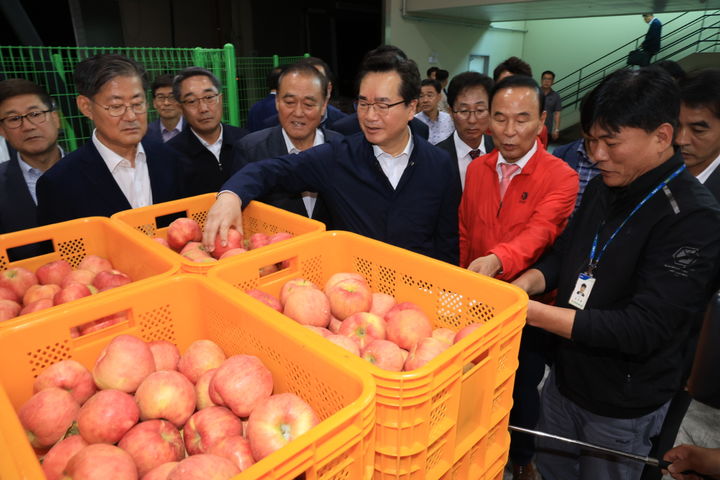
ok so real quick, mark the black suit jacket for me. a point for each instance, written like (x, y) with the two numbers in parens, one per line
(80, 184)
(269, 143)
(200, 170)
(350, 125)
(153, 130)
(449, 146)
(713, 184)
(17, 208)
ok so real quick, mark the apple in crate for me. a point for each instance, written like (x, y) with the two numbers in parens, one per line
(181, 231)
(18, 280)
(36, 306)
(338, 277)
(9, 309)
(277, 421)
(47, 415)
(107, 416)
(53, 272)
(279, 237)
(8, 294)
(101, 461)
(345, 342)
(424, 351)
(153, 443)
(266, 298)
(258, 240)
(166, 394)
(241, 383)
(165, 354)
(235, 240)
(69, 375)
(231, 253)
(72, 292)
(123, 364)
(407, 325)
(160, 472)
(200, 356)
(465, 331)
(208, 426)
(444, 335)
(85, 277)
(60, 454)
(110, 279)
(308, 306)
(364, 327)
(39, 292)
(205, 467)
(348, 297)
(294, 285)
(384, 354)
(381, 304)
(202, 390)
(236, 449)
(334, 325)
(95, 264)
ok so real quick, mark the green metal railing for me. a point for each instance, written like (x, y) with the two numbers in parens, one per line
(243, 79)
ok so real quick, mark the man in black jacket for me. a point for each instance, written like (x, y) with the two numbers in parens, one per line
(645, 242)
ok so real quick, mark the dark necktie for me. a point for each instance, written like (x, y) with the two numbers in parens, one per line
(474, 153)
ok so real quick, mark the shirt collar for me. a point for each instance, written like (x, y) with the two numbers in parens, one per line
(112, 159)
(319, 140)
(523, 161)
(705, 174)
(178, 126)
(206, 144)
(462, 148)
(406, 151)
(27, 168)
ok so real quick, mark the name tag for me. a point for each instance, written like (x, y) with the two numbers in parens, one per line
(582, 291)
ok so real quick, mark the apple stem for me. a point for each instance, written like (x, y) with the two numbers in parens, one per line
(285, 431)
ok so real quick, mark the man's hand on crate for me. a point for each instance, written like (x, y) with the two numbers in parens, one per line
(225, 213)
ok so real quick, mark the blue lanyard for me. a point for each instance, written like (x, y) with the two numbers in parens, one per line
(593, 260)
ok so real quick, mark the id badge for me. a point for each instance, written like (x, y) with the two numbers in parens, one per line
(582, 290)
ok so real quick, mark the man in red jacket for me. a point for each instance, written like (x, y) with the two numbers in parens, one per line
(516, 202)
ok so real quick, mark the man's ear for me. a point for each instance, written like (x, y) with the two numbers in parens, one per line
(83, 104)
(664, 135)
(412, 109)
(543, 116)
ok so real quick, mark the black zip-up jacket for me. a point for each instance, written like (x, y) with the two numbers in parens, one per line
(653, 282)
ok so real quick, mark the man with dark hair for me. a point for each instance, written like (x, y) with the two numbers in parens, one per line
(117, 169)
(698, 134)
(552, 104)
(301, 101)
(431, 72)
(443, 76)
(511, 66)
(439, 123)
(265, 108)
(646, 242)
(386, 184)
(206, 145)
(170, 121)
(468, 95)
(30, 123)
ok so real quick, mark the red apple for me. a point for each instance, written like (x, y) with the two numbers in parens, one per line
(60, 454)
(205, 467)
(444, 335)
(338, 277)
(381, 304)
(85, 277)
(208, 426)
(190, 246)
(36, 306)
(279, 237)
(153, 443)
(200, 356)
(308, 306)
(348, 297)
(74, 291)
(123, 364)
(166, 394)
(384, 354)
(425, 350)
(9, 309)
(110, 279)
(266, 298)
(160, 472)
(161, 241)
(277, 421)
(334, 325)
(107, 416)
(407, 325)
(199, 255)
(181, 231)
(240, 383)
(18, 280)
(294, 285)
(165, 354)
(232, 253)
(53, 272)
(95, 264)
(101, 461)
(39, 292)
(236, 449)
(8, 294)
(69, 375)
(258, 240)
(202, 390)
(363, 328)
(465, 331)
(345, 342)
(47, 415)
(234, 240)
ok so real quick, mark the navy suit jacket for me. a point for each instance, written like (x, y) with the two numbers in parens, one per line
(713, 184)
(449, 146)
(153, 130)
(80, 184)
(419, 215)
(350, 125)
(17, 208)
(200, 170)
(332, 115)
(261, 110)
(270, 143)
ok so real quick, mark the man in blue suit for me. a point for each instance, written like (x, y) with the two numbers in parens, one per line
(30, 123)
(264, 108)
(116, 170)
(386, 183)
(170, 120)
(301, 101)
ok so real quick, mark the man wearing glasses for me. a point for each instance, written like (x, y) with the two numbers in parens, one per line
(170, 120)
(30, 124)
(468, 96)
(207, 146)
(116, 170)
(385, 183)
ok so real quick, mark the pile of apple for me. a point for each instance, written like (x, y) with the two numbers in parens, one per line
(23, 291)
(393, 336)
(147, 412)
(184, 236)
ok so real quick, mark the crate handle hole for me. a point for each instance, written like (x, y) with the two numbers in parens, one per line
(30, 250)
(84, 329)
(164, 220)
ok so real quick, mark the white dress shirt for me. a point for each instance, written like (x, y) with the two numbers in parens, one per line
(705, 174)
(168, 135)
(134, 182)
(463, 155)
(308, 198)
(393, 167)
(520, 163)
(214, 147)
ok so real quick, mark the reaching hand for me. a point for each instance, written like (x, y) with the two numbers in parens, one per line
(225, 213)
(488, 265)
(704, 461)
